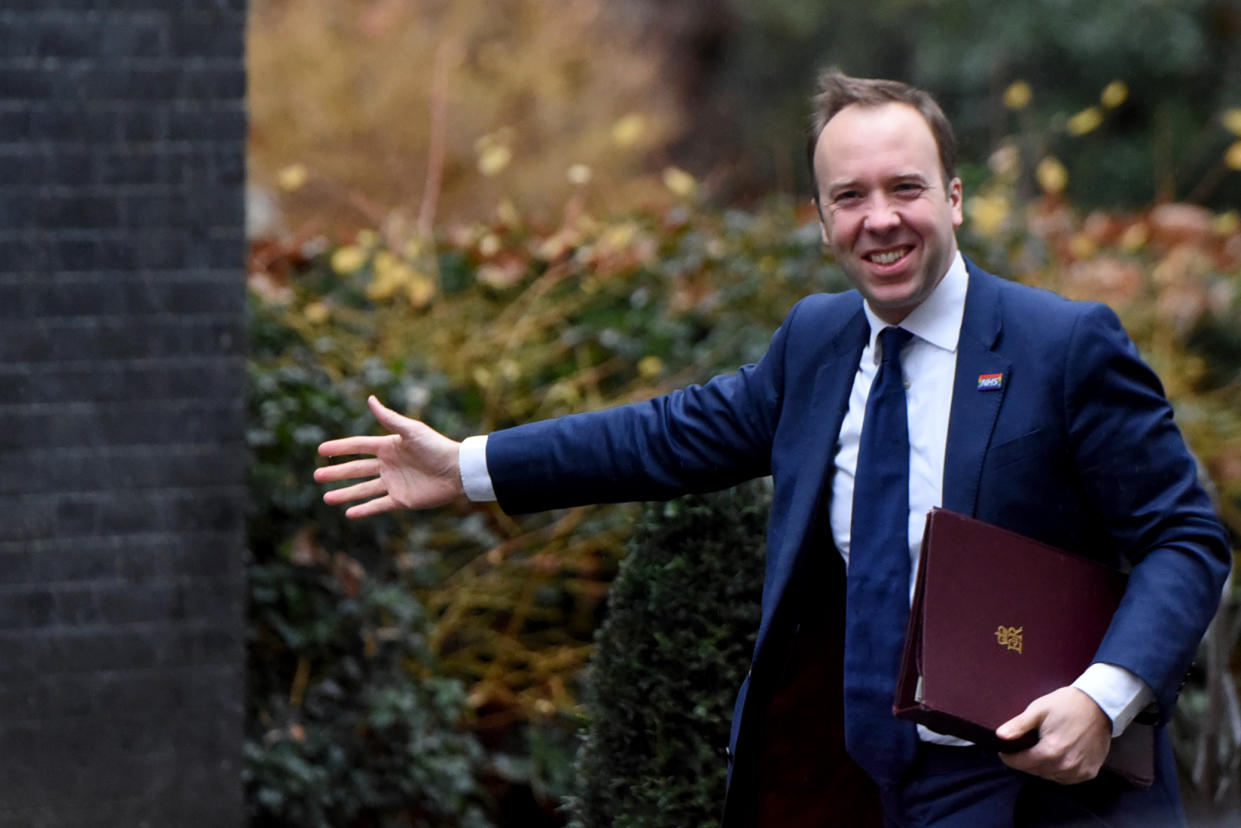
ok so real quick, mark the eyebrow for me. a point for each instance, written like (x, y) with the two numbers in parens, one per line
(852, 183)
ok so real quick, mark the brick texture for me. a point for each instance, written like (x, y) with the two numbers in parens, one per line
(122, 461)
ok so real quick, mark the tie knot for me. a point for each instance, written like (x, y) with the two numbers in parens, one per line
(893, 339)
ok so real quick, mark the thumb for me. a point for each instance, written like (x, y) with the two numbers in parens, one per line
(1029, 719)
(389, 419)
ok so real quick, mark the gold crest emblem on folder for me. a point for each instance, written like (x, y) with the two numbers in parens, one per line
(1009, 637)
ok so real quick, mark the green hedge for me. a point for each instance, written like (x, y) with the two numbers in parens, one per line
(671, 654)
(347, 722)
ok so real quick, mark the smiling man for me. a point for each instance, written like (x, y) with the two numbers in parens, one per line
(869, 409)
(887, 205)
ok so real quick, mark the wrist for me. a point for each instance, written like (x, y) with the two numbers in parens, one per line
(472, 469)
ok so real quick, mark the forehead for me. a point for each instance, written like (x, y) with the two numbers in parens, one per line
(864, 141)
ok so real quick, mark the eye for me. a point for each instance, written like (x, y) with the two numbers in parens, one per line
(845, 198)
(909, 189)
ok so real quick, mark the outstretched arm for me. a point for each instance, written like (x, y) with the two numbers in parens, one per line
(412, 467)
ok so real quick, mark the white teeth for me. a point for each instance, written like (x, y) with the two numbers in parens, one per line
(887, 257)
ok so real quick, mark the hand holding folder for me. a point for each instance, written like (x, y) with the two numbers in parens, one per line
(997, 621)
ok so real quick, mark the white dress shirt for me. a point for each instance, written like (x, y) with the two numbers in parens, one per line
(929, 362)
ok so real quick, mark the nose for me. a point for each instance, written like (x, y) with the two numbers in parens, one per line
(881, 215)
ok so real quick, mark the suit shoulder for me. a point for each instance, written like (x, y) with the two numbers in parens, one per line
(819, 309)
(818, 323)
(1045, 311)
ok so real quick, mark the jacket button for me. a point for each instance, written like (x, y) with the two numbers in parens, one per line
(728, 754)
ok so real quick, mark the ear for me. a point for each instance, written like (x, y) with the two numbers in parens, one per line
(956, 199)
(823, 229)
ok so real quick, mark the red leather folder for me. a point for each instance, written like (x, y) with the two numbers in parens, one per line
(998, 620)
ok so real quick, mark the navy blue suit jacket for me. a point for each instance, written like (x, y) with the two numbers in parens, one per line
(1077, 448)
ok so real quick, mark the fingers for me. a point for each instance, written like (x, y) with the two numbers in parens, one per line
(389, 419)
(358, 491)
(1074, 737)
(353, 445)
(372, 507)
(1021, 724)
(348, 471)
(1068, 766)
(1029, 719)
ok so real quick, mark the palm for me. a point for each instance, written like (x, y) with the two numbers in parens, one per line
(413, 467)
(416, 472)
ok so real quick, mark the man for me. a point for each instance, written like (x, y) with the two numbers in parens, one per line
(870, 408)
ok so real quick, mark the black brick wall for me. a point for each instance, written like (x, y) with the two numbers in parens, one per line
(122, 167)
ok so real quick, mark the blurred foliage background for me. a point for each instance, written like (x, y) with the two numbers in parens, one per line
(491, 212)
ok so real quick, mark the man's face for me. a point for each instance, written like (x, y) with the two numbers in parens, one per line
(883, 205)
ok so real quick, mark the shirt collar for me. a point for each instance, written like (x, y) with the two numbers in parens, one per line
(938, 319)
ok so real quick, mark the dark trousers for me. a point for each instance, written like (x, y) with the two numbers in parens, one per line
(961, 787)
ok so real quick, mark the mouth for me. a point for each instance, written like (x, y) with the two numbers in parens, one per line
(884, 258)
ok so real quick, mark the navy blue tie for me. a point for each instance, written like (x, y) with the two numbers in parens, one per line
(878, 582)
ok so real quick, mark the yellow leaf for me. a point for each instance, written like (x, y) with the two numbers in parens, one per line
(412, 249)
(1018, 95)
(420, 290)
(1087, 120)
(1051, 175)
(1081, 247)
(381, 288)
(1005, 161)
(507, 213)
(391, 275)
(489, 245)
(1114, 94)
(509, 370)
(1134, 237)
(579, 174)
(348, 260)
(618, 237)
(680, 182)
(316, 313)
(988, 213)
(292, 178)
(1228, 223)
(552, 248)
(1232, 120)
(385, 263)
(1233, 157)
(493, 159)
(650, 366)
(627, 131)
(496, 276)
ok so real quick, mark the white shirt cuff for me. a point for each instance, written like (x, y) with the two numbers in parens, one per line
(472, 461)
(1118, 692)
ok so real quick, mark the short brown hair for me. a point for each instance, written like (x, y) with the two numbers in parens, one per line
(838, 90)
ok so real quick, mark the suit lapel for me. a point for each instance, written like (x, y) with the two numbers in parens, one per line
(833, 384)
(976, 399)
(807, 528)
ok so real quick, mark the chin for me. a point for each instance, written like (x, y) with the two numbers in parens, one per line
(894, 300)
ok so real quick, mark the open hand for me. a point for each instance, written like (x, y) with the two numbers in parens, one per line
(412, 467)
(1074, 737)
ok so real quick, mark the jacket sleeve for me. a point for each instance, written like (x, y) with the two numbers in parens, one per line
(696, 439)
(1134, 466)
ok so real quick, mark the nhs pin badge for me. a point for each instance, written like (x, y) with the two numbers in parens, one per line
(990, 382)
